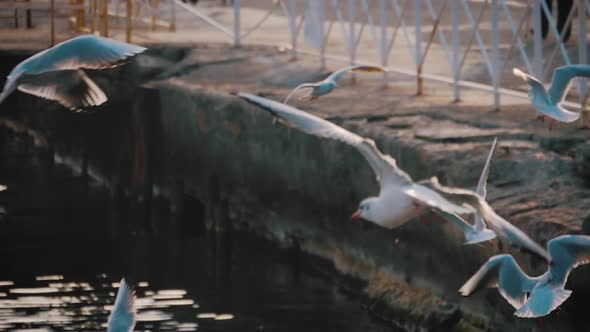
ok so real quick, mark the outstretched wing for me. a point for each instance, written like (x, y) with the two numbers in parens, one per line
(531, 80)
(503, 272)
(501, 226)
(299, 87)
(483, 179)
(370, 69)
(483, 182)
(433, 200)
(71, 88)
(455, 220)
(122, 318)
(567, 252)
(89, 52)
(562, 78)
(384, 166)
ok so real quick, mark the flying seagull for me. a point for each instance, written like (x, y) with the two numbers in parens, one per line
(57, 73)
(499, 225)
(533, 296)
(392, 207)
(478, 232)
(548, 103)
(122, 318)
(329, 83)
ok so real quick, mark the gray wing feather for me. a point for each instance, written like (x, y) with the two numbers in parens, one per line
(483, 179)
(299, 87)
(531, 80)
(482, 184)
(123, 315)
(71, 88)
(384, 166)
(372, 69)
(503, 272)
(434, 200)
(568, 252)
(562, 78)
(502, 227)
(89, 52)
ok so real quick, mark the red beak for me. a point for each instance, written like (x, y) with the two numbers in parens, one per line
(356, 215)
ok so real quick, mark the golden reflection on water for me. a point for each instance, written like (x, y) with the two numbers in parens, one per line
(54, 303)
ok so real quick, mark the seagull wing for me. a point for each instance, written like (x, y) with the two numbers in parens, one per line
(371, 69)
(89, 52)
(501, 226)
(531, 80)
(122, 318)
(455, 220)
(568, 252)
(483, 179)
(562, 78)
(503, 272)
(384, 166)
(428, 197)
(482, 184)
(299, 87)
(71, 88)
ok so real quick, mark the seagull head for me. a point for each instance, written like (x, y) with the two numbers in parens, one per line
(366, 209)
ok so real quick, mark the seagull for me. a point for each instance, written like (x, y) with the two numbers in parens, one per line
(57, 73)
(533, 296)
(3, 187)
(329, 83)
(392, 207)
(499, 225)
(122, 318)
(478, 232)
(548, 103)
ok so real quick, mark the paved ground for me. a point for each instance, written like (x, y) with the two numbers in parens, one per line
(538, 177)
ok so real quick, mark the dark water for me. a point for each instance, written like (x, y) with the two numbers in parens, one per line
(59, 265)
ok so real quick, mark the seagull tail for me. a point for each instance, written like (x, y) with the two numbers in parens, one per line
(539, 308)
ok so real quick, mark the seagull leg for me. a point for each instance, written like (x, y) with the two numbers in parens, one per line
(418, 213)
(438, 218)
(551, 121)
(540, 322)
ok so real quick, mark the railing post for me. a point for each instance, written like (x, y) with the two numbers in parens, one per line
(383, 40)
(94, 10)
(582, 56)
(292, 15)
(418, 45)
(105, 18)
(236, 23)
(351, 31)
(52, 20)
(456, 43)
(129, 21)
(495, 55)
(321, 15)
(537, 40)
(172, 15)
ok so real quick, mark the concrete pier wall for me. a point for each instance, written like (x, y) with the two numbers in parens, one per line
(167, 139)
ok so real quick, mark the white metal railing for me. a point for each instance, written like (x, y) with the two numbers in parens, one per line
(452, 33)
(506, 42)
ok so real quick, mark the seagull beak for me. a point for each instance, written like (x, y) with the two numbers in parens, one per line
(356, 215)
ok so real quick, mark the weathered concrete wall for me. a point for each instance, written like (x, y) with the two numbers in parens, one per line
(299, 190)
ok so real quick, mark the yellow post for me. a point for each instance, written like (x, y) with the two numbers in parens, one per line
(129, 20)
(81, 17)
(105, 18)
(173, 16)
(154, 8)
(94, 13)
(52, 20)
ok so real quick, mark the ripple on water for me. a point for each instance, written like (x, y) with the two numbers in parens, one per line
(53, 303)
